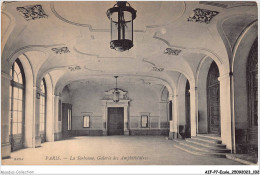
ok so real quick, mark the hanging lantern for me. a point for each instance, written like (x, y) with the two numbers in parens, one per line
(121, 17)
(116, 93)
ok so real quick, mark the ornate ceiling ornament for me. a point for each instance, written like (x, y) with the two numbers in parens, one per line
(171, 51)
(32, 12)
(157, 69)
(60, 50)
(74, 68)
(202, 15)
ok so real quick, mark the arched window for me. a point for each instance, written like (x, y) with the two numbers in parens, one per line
(213, 101)
(252, 84)
(252, 75)
(43, 111)
(16, 110)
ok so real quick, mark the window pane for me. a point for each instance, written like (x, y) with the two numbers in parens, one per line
(19, 128)
(20, 105)
(144, 121)
(14, 128)
(20, 94)
(86, 121)
(20, 117)
(15, 78)
(20, 80)
(15, 104)
(16, 67)
(15, 92)
(15, 116)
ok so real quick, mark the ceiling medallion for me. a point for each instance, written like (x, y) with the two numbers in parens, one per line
(74, 68)
(121, 16)
(157, 69)
(60, 50)
(170, 51)
(32, 12)
(202, 15)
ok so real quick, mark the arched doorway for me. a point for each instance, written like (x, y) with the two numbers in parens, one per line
(16, 111)
(252, 84)
(213, 101)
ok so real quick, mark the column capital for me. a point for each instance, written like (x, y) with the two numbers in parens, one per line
(225, 76)
(56, 96)
(193, 89)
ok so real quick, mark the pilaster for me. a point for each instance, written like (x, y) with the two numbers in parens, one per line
(37, 136)
(226, 112)
(5, 116)
(194, 110)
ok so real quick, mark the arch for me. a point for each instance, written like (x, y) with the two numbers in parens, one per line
(181, 111)
(29, 103)
(239, 89)
(213, 100)
(63, 81)
(201, 79)
(17, 120)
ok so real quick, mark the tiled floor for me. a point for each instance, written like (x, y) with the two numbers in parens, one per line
(111, 150)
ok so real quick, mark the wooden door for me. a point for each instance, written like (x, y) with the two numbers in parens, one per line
(66, 119)
(115, 124)
(213, 100)
(187, 110)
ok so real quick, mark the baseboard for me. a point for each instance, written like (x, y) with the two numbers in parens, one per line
(164, 132)
(87, 133)
(57, 136)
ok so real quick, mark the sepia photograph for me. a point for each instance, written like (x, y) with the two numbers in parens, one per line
(130, 83)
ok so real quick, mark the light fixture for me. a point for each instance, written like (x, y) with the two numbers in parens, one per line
(121, 17)
(116, 92)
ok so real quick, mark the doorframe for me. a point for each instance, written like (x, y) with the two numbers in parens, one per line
(110, 103)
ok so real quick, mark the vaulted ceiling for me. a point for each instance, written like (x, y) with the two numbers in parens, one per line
(70, 40)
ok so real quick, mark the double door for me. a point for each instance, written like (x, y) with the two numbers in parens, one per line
(115, 123)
